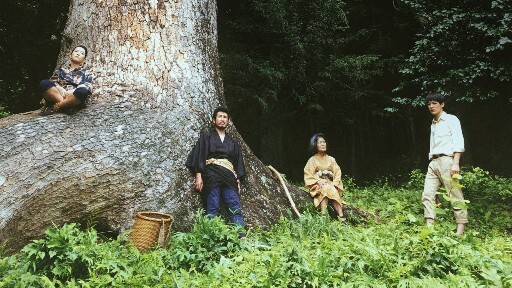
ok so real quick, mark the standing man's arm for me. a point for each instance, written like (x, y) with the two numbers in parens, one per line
(199, 181)
(201, 160)
(239, 164)
(455, 166)
(458, 145)
(196, 160)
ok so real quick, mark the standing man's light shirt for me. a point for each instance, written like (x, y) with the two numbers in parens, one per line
(446, 136)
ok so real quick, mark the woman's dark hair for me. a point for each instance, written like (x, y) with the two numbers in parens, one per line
(220, 109)
(81, 46)
(432, 96)
(314, 141)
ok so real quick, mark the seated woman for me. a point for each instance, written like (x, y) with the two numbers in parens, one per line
(69, 86)
(322, 176)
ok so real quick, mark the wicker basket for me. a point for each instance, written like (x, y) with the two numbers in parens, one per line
(151, 228)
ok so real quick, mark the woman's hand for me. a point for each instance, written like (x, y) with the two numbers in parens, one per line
(313, 192)
(321, 182)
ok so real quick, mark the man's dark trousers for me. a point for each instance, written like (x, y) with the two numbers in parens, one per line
(230, 197)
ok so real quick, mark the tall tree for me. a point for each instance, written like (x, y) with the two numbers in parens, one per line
(156, 83)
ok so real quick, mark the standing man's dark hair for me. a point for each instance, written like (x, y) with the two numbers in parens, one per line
(433, 96)
(446, 147)
(221, 109)
(218, 164)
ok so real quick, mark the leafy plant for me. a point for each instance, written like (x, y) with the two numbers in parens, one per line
(416, 179)
(59, 255)
(3, 112)
(491, 196)
(68, 254)
(207, 242)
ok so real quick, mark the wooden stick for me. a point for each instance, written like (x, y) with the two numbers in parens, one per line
(285, 189)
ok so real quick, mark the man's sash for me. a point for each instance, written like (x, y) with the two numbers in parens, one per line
(222, 162)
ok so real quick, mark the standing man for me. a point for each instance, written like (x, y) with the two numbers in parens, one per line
(218, 165)
(446, 147)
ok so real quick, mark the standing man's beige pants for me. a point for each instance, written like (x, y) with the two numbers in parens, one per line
(439, 173)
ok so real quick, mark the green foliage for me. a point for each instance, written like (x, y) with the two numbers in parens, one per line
(58, 255)
(388, 202)
(304, 57)
(3, 112)
(486, 191)
(489, 197)
(209, 241)
(312, 251)
(68, 253)
(463, 50)
(492, 188)
(285, 61)
(416, 180)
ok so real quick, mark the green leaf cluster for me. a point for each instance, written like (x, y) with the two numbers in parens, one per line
(209, 241)
(3, 111)
(491, 196)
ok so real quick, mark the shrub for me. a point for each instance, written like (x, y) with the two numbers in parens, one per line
(69, 254)
(416, 180)
(490, 198)
(3, 111)
(207, 242)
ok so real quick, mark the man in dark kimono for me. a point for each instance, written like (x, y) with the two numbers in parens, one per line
(218, 165)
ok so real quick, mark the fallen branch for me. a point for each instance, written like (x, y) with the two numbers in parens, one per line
(285, 190)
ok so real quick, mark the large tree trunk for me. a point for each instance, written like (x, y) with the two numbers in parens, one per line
(157, 82)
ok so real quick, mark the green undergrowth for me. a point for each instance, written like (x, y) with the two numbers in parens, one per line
(313, 251)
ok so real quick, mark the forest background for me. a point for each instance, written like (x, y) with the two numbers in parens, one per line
(355, 70)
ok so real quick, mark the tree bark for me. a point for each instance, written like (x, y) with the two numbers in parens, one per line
(156, 83)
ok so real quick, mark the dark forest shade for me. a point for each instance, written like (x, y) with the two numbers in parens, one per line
(30, 40)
